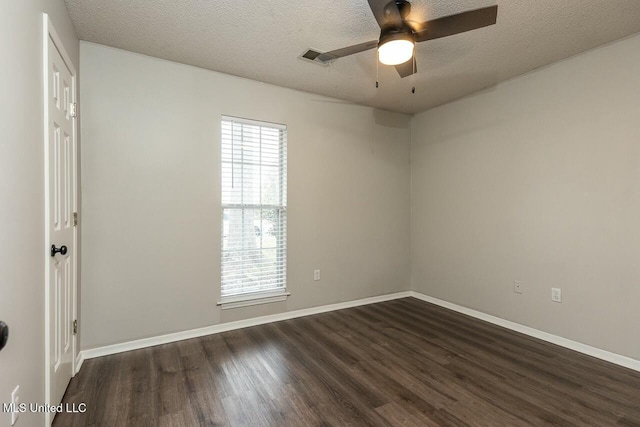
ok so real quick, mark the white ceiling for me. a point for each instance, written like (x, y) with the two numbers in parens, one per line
(263, 39)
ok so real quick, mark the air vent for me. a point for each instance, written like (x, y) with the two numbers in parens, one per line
(311, 54)
(317, 57)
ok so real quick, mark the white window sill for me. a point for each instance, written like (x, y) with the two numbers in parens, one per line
(252, 299)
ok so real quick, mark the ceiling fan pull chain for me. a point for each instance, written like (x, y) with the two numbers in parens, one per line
(377, 72)
(413, 76)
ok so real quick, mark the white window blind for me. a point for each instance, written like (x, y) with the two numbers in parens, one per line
(254, 207)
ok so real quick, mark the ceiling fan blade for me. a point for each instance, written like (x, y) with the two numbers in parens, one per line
(346, 51)
(386, 13)
(407, 68)
(456, 24)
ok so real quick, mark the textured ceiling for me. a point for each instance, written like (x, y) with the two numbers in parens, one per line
(263, 39)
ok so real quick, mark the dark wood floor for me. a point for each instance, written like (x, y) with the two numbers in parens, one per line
(403, 362)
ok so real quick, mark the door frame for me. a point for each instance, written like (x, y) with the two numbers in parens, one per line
(49, 32)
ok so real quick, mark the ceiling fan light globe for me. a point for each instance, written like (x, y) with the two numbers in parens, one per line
(395, 52)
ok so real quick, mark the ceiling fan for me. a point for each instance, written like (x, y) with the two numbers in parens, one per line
(399, 34)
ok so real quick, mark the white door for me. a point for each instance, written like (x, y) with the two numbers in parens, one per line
(61, 204)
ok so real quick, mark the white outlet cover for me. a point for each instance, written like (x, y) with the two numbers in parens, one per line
(517, 287)
(556, 294)
(316, 275)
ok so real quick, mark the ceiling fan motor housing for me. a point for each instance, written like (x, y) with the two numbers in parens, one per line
(402, 6)
(392, 34)
(395, 30)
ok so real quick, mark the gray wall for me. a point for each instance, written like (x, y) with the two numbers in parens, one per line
(538, 180)
(151, 195)
(22, 195)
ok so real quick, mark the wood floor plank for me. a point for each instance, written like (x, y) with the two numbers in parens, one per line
(403, 362)
(345, 390)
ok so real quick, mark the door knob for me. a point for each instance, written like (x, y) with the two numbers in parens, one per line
(62, 249)
(4, 334)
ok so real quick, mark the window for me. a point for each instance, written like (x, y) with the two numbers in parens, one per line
(254, 211)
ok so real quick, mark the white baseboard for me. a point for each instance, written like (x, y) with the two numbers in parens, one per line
(608, 356)
(625, 361)
(79, 361)
(230, 326)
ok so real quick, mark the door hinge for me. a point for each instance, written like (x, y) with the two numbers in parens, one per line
(75, 327)
(75, 219)
(73, 109)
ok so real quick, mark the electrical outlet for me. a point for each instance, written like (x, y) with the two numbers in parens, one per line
(316, 275)
(15, 402)
(517, 287)
(556, 294)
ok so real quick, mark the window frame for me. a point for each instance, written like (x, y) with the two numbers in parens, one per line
(280, 293)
